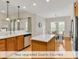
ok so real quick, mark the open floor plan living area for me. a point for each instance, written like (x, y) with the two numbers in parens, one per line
(38, 29)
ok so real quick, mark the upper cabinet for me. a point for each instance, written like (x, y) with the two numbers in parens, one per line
(76, 8)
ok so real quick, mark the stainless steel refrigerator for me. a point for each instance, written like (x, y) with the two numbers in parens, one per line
(74, 33)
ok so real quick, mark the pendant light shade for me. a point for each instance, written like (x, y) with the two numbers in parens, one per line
(7, 19)
(18, 19)
(7, 11)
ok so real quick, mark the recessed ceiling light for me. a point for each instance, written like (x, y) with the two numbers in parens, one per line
(24, 7)
(34, 4)
(47, 0)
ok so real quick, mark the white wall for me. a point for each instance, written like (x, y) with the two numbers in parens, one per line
(35, 20)
(35, 28)
(3, 22)
(67, 21)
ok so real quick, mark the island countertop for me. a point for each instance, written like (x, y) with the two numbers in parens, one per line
(43, 37)
(7, 34)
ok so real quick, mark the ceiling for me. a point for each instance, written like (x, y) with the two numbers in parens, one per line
(42, 8)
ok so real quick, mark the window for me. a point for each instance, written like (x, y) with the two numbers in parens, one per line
(61, 26)
(58, 26)
(53, 27)
(26, 26)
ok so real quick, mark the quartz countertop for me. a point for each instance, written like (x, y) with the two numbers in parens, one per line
(7, 34)
(43, 37)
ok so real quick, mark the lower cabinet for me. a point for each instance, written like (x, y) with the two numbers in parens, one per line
(43, 46)
(15, 43)
(2, 45)
(11, 44)
(20, 42)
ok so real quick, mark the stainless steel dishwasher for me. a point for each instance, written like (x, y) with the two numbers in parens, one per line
(27, 40)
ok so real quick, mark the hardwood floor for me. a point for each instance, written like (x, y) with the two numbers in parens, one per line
(28, 48)
(66, 44)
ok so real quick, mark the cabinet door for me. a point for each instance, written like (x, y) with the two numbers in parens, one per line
(11, 44)
(51, 45)
(2, 45)
(20, 42)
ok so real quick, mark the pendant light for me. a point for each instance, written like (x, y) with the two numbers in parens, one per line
(18, 20)
(7, 11)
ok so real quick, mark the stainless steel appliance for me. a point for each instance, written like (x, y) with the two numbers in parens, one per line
(27, 41)
(76, 33)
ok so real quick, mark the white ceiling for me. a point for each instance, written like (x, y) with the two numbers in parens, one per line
(44, 9)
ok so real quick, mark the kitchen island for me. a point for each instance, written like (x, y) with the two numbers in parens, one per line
(45, 42)
(13, 41)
